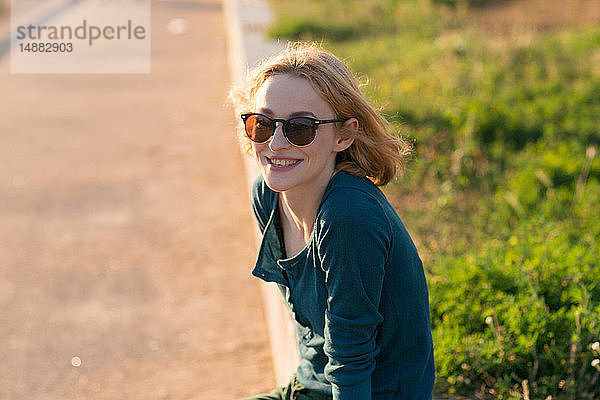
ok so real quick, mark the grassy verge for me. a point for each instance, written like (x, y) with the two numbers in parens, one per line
(503, 195)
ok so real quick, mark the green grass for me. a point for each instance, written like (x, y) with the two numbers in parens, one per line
(503, 195)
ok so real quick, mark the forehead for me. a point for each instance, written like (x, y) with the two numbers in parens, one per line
(284, 95)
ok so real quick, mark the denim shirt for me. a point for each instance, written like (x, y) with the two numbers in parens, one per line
(357, 293)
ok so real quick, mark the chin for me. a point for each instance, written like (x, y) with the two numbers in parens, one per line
(277, 185)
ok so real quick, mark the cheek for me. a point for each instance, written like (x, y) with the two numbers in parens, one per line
(256, 148)
(323, 144)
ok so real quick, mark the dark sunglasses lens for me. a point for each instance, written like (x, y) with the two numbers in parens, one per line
(259, 128)
(300, 131)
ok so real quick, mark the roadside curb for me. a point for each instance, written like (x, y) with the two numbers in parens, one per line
(245, 24)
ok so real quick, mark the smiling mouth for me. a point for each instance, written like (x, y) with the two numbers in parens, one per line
(282, 163)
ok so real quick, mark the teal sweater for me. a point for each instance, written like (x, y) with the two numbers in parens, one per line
(357, 293)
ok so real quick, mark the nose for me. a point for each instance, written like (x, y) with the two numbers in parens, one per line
(279, 141)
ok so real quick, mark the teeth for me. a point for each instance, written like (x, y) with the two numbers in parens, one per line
(284, 163)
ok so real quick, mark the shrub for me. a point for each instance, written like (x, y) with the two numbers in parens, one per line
(507, 181)
(520, 310)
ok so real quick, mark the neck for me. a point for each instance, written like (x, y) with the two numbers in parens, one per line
(299, 207)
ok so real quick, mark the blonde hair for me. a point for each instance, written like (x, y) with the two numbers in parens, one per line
(377, 152)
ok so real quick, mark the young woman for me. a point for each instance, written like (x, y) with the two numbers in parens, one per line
(343, 260)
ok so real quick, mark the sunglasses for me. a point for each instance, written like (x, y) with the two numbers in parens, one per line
(299, 131)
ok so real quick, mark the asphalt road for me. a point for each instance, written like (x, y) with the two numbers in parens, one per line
(126, 239)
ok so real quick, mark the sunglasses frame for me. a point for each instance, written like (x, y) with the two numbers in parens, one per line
(316, 122)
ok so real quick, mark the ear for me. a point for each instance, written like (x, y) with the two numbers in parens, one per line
(345, 136)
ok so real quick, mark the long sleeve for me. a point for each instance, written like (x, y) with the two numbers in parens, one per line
(354, 242)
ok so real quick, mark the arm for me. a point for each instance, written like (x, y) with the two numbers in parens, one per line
(354, 242)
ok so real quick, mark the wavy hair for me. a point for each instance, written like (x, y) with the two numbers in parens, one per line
(377, 151)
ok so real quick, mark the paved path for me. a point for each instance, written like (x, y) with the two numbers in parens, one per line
(125, 233)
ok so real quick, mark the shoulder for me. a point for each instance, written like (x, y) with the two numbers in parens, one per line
(353, 202)
(263, 198)
(353, 223)
(260, 190)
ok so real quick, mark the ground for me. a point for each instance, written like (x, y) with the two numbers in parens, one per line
(127, 236)
(515, 17)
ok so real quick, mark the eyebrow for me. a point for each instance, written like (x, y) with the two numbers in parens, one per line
(294, 114)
